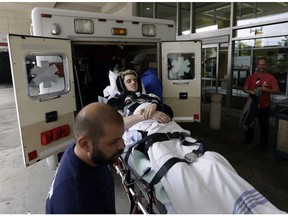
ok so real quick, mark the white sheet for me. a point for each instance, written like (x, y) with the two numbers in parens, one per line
(208, 185)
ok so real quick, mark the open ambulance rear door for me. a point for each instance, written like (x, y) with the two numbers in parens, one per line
(44, 93)
(181, 78)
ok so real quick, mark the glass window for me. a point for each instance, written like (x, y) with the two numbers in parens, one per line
(181, 66)
(263, 42)
(166, 10)
(212, 16)
(281, 28)
(277, 60)
(248, 13)
(184, 18)
(46, 76)
(209, 70)
(145, 9)
(209, 56)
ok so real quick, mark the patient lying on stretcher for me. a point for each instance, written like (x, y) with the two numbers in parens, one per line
(130, 98)
(206, 184)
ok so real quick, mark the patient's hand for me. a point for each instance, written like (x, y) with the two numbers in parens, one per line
(148, 111)
(161, 117)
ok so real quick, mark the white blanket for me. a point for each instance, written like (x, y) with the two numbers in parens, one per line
(207, 185)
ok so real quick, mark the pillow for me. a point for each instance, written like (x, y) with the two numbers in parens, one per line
(112, 89)
(112, 79)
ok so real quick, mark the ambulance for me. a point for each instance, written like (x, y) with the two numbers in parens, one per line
(64, 64)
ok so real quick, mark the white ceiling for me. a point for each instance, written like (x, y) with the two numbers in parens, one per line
(28, 6)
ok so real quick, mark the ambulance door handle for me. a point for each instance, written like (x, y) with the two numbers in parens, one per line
(51, 98)
(180, 83)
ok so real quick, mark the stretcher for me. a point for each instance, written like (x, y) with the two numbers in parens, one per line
(196, 181)
(165, 170)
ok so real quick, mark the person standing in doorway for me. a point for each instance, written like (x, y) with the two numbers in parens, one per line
(151, 82)
(83, 183)
(264, 84)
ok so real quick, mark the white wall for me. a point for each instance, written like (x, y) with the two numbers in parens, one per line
(15, 18)
(14, 22)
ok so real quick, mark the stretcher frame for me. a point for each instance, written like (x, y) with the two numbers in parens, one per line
(140, 194)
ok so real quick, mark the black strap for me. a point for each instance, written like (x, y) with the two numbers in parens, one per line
(132, 107)
(171, 161)
(128, 152)
(145, 143)
(141, 143)
(164, 169)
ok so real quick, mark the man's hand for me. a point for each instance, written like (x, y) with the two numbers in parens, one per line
(264, 89)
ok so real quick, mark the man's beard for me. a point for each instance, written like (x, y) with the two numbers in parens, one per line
(98, 157)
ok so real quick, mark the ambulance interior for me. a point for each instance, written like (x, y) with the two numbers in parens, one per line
(92, 63)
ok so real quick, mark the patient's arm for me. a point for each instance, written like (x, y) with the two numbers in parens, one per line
(159, 116)
(129, 121)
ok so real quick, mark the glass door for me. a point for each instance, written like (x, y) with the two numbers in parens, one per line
(210, 71)
(214, 73)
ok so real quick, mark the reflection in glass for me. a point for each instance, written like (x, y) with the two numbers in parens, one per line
(266, 29)
(212, 14)
(145, 9)
(262, 42)
(185, 18)
(166, 10)
(255, 12)
(210, 62)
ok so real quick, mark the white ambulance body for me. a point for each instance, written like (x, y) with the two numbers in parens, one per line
(65, 65)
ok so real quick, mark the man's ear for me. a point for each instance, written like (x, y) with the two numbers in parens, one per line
(85, 143)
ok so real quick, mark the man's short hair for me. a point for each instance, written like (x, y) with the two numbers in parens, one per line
(261, 58)
(93, 125)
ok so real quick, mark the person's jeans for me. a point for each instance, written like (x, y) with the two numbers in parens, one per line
(263, 119)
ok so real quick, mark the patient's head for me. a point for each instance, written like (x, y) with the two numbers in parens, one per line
(129, 81)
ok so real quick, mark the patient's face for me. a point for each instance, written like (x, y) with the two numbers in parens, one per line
(130, 82)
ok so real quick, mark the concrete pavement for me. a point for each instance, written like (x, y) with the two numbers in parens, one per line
(23, 190)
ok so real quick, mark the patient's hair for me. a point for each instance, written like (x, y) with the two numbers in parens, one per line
(127, 72)
(120, 80)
